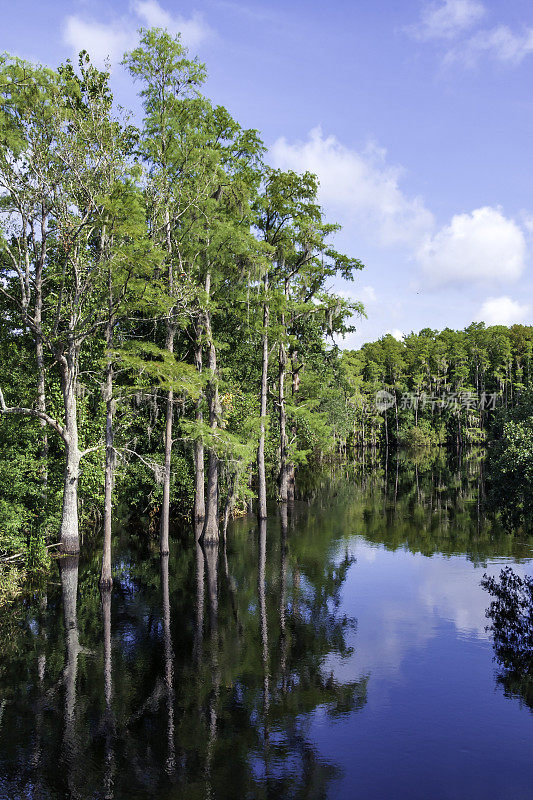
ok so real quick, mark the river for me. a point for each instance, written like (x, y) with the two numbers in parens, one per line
(339, 651)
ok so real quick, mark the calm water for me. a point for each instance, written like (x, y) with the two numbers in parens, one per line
(339, 652)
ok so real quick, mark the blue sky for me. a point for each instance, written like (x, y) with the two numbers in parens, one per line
(416, 116)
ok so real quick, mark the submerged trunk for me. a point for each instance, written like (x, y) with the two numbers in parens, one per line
(70, 540)
(210, 529)
(261, 475)
(165, 510)
(199, 467)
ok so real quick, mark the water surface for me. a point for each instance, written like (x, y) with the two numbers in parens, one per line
(340, 651)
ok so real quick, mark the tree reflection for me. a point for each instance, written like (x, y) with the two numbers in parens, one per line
(203, 672)
(69, 583)
(109, 722)
(170, 761)
(425, 502)
(511, 615)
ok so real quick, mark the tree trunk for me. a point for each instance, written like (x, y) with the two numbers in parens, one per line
(261, 475)
(106, 581)
(230, 502)
(41, 406)
(165, 510)
(210, 530)
(283, 469)
(291, 479)
(199, 466)
(169, 344)
(39, 352)
(70, 540)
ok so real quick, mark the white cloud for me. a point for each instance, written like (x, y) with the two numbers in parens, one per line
(500, 42)
(447, 20)
(527, 222)
(366, 294)
(359, 188)
(483, 246)
(396, 333)
(193, 31)
(109, 41)
(451, 19)
(102, 42)
(502, 311)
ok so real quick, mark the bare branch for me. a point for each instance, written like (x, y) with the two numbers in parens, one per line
(91, 449)
(35, 414)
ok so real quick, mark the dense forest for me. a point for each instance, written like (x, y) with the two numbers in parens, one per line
(162, 289)
(169, 337)
(441, 386)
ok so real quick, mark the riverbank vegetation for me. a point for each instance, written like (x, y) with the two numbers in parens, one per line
(167, 322)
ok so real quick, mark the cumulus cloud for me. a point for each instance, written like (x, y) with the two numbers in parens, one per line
(446, 20)
(108, 41)
(500, 43)
(452, 21)
(483, 246)
(102, 42)
(359, 187)
(193, 31)
(502, 311)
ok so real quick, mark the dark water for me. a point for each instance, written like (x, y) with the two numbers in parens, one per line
(339, 652)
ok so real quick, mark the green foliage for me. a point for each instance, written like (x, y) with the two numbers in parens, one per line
(132, 266)
(511, 463)
(444, 387)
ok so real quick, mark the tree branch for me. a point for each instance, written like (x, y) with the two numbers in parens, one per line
(91, 449)
(32, 412)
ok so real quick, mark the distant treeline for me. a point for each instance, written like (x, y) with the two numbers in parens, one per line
(448, 387)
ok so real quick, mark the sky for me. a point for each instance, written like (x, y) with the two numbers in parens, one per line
(417, 118)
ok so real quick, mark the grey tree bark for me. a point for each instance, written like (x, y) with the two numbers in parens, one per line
(261, 475)
(165, 509)
(70, 540)
(106, 580)
(210, 530)
(283, 479)
(199, 465)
